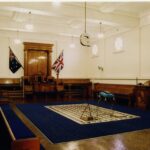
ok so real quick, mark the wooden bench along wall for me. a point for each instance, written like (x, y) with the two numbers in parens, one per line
(124, 91)
(11, 81)
(10, 87)
(142, 93)
(68, 87)
(77, 87)
(23, 143)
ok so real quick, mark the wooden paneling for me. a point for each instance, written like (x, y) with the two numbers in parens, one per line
(122, 91)
(75, 81)
(70, 88)
(139, 95)
(37, 63)
(142, 97)
(10, 87)
(44, 87)
(77, 88)
(115, 88)
(10, 81)
(26, 144)
(37, 59)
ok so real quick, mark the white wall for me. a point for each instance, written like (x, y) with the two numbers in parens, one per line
(4, 58)
(75, 59)
(133, 62)
(145, 52)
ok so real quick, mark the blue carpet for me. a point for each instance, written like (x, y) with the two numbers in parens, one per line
(60, 129)
(18, 128)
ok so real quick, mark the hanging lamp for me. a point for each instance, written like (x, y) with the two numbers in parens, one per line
(17, 39)
(84, 37)
(100, 34)
(72, 44)
(29, 26)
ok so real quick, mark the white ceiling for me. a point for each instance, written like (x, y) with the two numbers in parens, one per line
(68, 18)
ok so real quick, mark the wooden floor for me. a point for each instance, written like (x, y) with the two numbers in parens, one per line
(136, 140)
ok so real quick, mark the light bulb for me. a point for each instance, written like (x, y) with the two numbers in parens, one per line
(100, 35)
(17, 41)
(72, 45)
(29, 26)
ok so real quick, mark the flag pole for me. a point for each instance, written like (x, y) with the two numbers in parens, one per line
(57, 79)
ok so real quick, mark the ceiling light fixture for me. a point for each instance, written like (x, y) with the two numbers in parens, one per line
(100, 34)
(84, 37)
(29, 25)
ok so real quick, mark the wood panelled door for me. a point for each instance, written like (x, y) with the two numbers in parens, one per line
(37, 59)
(37, 63)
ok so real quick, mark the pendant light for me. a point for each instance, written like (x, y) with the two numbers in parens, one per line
(100, 34)
(72, 44)
(29, 26)
(84, 37)
(17, 39)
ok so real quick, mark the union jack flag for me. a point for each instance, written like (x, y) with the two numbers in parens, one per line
(58, 64)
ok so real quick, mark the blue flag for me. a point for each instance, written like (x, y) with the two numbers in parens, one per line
(14, 64)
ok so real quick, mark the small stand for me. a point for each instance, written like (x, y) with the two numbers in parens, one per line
(87, 118)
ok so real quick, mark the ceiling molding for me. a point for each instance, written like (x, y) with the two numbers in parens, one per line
(68, 18)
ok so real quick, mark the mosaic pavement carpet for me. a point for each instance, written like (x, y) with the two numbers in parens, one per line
(88, 113)
(58, 128)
